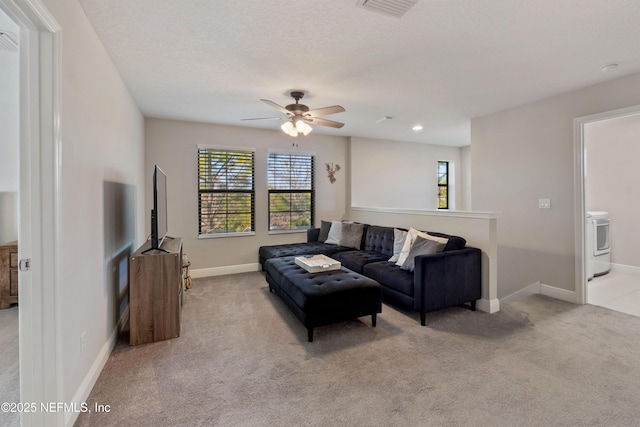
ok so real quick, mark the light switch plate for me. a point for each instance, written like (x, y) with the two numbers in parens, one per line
(544, 203)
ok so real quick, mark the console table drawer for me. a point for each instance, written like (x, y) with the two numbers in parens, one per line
(13, 283)
(13, 263)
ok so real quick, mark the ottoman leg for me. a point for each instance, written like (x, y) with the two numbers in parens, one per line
(310, 334)
(373, 320)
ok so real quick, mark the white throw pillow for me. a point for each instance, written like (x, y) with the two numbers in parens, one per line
(398, 242)
(408, 242)
(335, 233)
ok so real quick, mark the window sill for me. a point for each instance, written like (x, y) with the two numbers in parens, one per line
(222, 235)
(287, 231)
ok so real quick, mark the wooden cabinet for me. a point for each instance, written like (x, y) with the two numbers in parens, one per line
(8, 274)
(155, 292)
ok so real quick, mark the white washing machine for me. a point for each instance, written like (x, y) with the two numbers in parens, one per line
(598, 236)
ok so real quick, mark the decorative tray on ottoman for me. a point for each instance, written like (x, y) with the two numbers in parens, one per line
(317, 263)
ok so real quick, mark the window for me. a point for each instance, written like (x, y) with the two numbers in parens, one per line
(443, 185)
(226, 195)
(291, 191)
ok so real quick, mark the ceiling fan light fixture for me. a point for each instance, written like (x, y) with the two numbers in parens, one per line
(289, 129)
(298, 116)
(301, 126)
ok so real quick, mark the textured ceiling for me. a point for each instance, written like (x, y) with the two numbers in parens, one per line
(441, 64)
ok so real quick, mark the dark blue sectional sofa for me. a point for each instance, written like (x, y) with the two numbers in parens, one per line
(448, 278)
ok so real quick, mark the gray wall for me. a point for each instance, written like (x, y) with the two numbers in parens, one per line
(102, 143)
(613, 182)
(402, 174)
(172, 145)
(526, 153)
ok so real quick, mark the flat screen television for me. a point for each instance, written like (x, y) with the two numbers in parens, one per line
(159, 224)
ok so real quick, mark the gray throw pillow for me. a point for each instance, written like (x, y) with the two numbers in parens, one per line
(421, 246)
(351, 235)
(325, 226)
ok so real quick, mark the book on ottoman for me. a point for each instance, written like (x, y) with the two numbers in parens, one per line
(317, 263)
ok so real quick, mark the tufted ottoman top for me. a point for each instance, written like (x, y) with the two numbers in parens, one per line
(324, 291)
(292, 249)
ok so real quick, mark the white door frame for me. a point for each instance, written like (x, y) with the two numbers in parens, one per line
(580, 211)
(40, 373)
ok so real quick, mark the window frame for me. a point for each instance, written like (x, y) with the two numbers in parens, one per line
(248, 152)
(444, 186)
(311, 191)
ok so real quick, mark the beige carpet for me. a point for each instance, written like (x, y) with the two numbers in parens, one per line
(243, 360)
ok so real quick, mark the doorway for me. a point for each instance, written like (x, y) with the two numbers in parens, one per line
(611, 152)
(39, 148)
(582, 128)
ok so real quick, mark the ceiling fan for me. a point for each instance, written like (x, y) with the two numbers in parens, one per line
(298, 116)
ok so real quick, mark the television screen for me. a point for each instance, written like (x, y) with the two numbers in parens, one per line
(159, 224)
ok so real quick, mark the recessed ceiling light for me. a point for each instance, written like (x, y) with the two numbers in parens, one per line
(417, 127)
(382, 119)
(609, 67)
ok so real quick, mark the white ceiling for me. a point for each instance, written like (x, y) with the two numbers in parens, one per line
(441, 64)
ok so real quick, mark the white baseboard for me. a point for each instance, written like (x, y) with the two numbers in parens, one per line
(523, 293)
(559, 293)
(488, 306)
(629, 269)
(90, 379)
(542, 289)
(221, 271)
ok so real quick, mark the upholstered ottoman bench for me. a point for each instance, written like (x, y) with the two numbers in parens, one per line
(319, 299)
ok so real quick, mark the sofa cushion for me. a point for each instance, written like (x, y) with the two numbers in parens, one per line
(390, 275)
(455, 242)
(379, 239)
(351, 234)
(356, 260)
(421, 247)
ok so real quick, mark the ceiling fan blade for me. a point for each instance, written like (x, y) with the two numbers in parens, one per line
(324, 122)
(276, 106)
(268, 118)
(325, 111)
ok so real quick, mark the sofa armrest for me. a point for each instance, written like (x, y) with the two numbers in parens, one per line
(447, 279)
(313, 234)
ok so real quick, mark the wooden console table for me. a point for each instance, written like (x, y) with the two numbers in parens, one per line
(155, 292)
(8, 274)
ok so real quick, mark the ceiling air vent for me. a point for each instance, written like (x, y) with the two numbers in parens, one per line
(8, 41)
(395, 8)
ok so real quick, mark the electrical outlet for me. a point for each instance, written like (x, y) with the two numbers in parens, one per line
(83, 343)
(544, 203)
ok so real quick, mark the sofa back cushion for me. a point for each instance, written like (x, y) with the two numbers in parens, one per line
(379, 239)
(454, 243)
